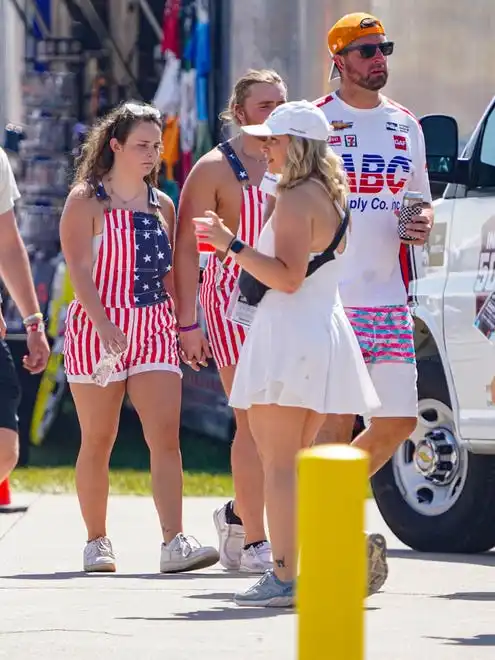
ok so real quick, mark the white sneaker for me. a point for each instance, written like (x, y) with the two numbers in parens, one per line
(230, 540)
(257, 558)
(185, 553)
(98, 556)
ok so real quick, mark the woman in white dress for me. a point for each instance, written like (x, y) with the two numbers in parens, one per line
(301, 359)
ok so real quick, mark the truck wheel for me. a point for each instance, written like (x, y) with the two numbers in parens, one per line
(433, 494)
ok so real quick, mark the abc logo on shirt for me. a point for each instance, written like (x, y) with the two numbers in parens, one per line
(374, 175)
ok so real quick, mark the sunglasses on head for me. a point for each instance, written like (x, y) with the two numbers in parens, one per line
(136, 110)
(139, 110)
(367, 51)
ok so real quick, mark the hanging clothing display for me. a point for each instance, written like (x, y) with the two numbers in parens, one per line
(170, 158)
(187, 115)
(202, 60)
(182, 94)
(167, 96)
(202, 63)
(187, 119)
(171, 35)
(204, 142)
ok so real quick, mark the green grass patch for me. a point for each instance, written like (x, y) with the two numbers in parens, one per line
(57, 480)
(122, 482)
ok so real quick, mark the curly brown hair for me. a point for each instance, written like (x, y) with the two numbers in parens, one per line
(97, 158)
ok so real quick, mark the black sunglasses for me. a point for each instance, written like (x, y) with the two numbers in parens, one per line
(367, 51)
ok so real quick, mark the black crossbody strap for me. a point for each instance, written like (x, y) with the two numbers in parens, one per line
(329, 253)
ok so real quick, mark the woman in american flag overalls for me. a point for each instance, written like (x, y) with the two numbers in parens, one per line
(117, 233)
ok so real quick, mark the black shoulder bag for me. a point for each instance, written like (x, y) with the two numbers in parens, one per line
(253, 290)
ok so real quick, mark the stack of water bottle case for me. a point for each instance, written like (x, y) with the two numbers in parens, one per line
(42, 153)
(43, 162)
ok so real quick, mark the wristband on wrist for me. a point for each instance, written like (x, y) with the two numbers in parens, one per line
(38, 326)
(189, 328)
(33, 318)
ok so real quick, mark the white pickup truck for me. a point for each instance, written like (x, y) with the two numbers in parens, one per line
(437, 493)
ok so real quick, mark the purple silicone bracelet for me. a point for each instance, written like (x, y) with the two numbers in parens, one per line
(188, 328)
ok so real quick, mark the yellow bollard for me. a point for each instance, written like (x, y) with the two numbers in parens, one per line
(331, 588)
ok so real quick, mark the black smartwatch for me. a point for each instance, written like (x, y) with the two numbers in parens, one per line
(236, 246)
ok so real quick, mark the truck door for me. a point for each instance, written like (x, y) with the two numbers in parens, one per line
(471, 277)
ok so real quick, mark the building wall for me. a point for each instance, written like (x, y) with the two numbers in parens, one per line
(442, 61)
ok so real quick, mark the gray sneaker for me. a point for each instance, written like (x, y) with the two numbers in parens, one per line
(377, 562)
(269, 591)
(98, 556)
(185, 553)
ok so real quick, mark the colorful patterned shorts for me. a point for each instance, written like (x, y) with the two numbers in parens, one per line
(385, 334)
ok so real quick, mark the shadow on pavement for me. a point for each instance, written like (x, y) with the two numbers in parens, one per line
(233, 613)
(228, 598)
(479, 640)
(71, 575)
(485, 559)
(475, 596)
(213, 596)
(13, 509)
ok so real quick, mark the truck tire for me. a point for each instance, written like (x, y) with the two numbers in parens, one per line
(434, 495)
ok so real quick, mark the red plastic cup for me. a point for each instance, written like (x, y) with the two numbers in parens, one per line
(203, 248)
(5, 493)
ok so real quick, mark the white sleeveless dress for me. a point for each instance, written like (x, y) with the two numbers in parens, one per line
(301, 350)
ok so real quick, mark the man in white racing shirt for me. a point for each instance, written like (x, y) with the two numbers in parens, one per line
(383, 150)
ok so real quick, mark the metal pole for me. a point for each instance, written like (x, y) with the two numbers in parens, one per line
(332, 585)
(155, 25)
(44, 29)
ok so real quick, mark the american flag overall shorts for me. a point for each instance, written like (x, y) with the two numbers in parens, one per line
(133, 256)
(219, 279)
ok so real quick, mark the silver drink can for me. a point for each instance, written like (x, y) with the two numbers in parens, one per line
(412, 204)
(105, 368)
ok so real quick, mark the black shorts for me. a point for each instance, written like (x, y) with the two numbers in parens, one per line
(10, 390)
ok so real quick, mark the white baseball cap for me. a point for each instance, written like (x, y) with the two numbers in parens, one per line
(299, 118)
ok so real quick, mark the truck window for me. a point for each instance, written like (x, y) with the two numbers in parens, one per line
(486, 171)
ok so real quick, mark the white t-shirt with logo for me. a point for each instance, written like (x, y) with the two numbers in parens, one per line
(9, 193)
(384, 155)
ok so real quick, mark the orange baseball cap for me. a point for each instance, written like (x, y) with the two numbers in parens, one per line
(351, 27)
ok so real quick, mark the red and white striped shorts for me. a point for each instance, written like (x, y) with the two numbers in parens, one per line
(151, 335)
(226, 338)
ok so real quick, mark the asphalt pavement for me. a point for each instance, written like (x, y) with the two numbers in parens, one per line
(432, 607)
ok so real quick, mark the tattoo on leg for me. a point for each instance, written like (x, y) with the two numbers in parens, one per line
(280, 563)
